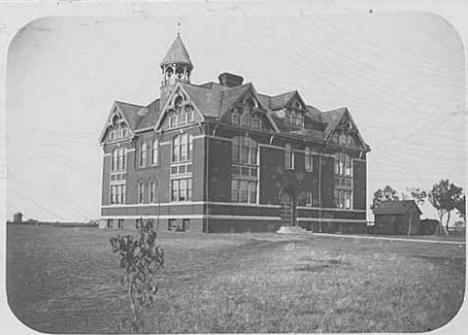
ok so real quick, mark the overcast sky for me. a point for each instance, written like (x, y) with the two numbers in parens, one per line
(401, 76)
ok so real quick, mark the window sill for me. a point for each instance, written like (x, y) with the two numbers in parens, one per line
(181, 162)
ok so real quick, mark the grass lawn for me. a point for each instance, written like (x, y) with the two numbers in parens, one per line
(66, 280)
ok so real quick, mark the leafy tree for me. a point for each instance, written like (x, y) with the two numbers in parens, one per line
(140, 258)
(460, 207)
(385, 194)
(419, 196)
(444, 197)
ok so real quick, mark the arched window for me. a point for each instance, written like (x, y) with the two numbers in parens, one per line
(182, 116)
(300, 119)
(155, 153)
(124, 158)
(297, 105)
(309, 159)
(190, 112)
(143, 154)
(114, 160)
(141, 192)
(184, 147)
(120, 159)
(172, 119)
(288, 157)
(152, 191)
(176, 149)
(236, 116)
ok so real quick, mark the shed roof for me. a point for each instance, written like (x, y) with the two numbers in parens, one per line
(396, 207)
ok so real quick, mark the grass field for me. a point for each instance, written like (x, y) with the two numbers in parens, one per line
(66, 280)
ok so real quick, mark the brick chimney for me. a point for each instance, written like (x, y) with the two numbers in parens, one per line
(230, 80)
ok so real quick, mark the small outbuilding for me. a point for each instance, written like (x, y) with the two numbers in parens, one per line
(396, 217)
(18, 217)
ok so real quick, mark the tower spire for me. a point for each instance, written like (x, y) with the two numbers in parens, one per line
(176, 66)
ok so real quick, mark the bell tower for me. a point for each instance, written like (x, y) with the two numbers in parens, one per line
(176, 67)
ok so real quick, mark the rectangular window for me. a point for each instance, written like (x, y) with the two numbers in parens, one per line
(112, 194)
(309, 159)
(244, 193)
(309, 199)
(119, 194)
(181, 189)
(176, 149)
(171, 224)
(235, 149)
(244, 152)
(190, 147)
(347, 203)
(252, 192)
(175, 190)
(184, 148)
(185, 224)
(289, 157)
(234, 191)
(253, 153)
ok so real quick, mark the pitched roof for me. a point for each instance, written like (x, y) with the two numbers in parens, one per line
(232, 94)
(313, 113)
(280, 100)
(331, 118)
(130, 112)
(396, 207)
(177, 53)
(207, 100)
(149, 120)
(213, 100)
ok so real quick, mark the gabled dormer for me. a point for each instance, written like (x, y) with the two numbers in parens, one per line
(291, 108)
(179, 110)
(342, 130)
(118, 126)
(244, 109)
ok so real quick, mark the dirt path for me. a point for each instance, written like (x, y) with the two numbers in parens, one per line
(392, 239)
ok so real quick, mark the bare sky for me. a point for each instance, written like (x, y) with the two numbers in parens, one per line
(401, 76)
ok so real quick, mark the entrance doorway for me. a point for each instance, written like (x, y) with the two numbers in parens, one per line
(287, 211)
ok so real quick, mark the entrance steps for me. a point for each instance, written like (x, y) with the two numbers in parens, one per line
(292, 230)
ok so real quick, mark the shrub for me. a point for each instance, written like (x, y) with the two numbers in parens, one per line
(140, 258)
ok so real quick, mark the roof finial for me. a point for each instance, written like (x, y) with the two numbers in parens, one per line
(178, 28)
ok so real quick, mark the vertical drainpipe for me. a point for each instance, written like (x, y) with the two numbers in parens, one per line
(208, 172)
(320, 192)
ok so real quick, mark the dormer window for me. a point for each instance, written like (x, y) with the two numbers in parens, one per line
(247, 114)
(295, 118)
(181, 112)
